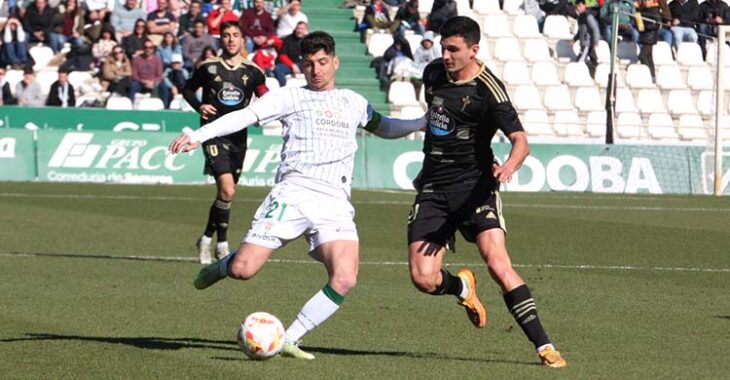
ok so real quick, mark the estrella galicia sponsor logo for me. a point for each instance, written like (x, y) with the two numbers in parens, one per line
(439, 121)
(230, 95)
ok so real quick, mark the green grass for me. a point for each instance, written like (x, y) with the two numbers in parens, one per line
(628, 287)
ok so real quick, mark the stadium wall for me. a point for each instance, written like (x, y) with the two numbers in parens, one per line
(91, 155)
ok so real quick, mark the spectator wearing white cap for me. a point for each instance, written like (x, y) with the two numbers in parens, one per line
(426, 52)
(173, 80)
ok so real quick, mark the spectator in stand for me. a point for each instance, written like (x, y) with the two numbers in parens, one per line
(188, 20)
(626, 29)
(38, 22)
(265, 59)
(209, 52)
(652, 17)
(133, 44)
(92, 29)
(68, 24)
(193, 45)
(116, 73)
(409, 18)
(62, 93)
(441, 10)
(685, 15)
(160, 21)
(257, 25)
(399, 50)
(589, 33)
(28, 91)
(173, 80)
(427, 51)
(558, 7)
(146, 71)
(168, 47)
(532, 7)
(217, 17)
(377, 17)
(714, 13)
(15, 46)
(124, 18)
(7, 96)
(101, 8)
(102, 48)
(289, 16)
(289, 61)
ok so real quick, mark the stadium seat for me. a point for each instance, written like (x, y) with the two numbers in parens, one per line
(690, 127)
(525, 26)
(84, 98)
(557, 98)
(118, 103)
(536, 123)
(625, 101)
(507, 49)
(706, 103)
(414, 41)
(545, 74)
(638, 76)
(402, 94)
(712, 54)
(690, 54)
(526, 97)
(295, 82)
(379, 43)
(150, 104)
(662, 54)
(411, 112)
(596, 124)
(557, 28)
(463, 7)
(536, 50)
(567, 123)
(484, 53)
(603, 51)
(649, 101)
(700, 78)
(12, 77)
(41, 56)
(424, 6)
(79, 78)
(601, 76)
(628, 125)
(46, 78)
(588, 99)
(482, 7)
(577, 75)
(680, 102)
(669, 78)
(564, 51)
(272, 83)
(627, 51)
(661, 127)
(516, 73)
(510, 7)
(496, 26)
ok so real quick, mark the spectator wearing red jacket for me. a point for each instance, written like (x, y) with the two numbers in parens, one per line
(217, 17)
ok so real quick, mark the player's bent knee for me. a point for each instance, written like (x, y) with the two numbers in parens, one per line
(241, 271)
(343, 283)
(227, 193)
(424, 282)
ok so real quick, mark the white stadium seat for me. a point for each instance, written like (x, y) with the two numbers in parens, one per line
(150, 104)
(545, 74)
(557, 98)
(564, 51)
(272, 83)
(639, 76)
(628, 125)
(118, 103)
(577, 75)
(588, 99)
(516, 73)
(511, 7)
(601, 76)
(596, 124)
(650, 100)
(680, 102)
(625, 101)
(706, 103)
(536, 50)
(690, 54)
(662, 54)
(79, 78)
(379, 43)
(483, 7)
(507, 49)
(700, 78)
(661, 127)
(669, 78)
(557, 27)
(496, 25)
(567, 123)
(627, 51)
(41, 56)
(526, 97)
(603, 51)
(690, 127)
(402, 94)
(536, 122)
(46, 78)
(12, 77)
(525, 26)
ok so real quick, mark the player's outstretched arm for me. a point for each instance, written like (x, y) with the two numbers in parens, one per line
(518, 154)
(392, 128)
(182, 144)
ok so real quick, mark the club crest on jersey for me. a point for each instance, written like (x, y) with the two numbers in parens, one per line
(439, 121)
(230, 95)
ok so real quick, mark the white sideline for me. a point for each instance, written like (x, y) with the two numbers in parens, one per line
(405, 203)
(381, 263)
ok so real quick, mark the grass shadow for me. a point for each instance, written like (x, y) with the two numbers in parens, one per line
(723, 317)
(148, 343)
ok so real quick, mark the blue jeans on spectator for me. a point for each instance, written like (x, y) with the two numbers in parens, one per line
(628, 34)
(16, 53)
(249, 45)
(665, 34)
(281, 71)
(704, 30)
(136, 86)
(683, 34)
(415, 27)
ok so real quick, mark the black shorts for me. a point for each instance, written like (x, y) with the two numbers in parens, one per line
(435, 217)
(223, 158)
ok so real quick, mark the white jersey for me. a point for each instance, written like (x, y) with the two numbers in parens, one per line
(318, 128)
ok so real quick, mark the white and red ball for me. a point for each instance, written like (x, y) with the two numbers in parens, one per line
(261, 336)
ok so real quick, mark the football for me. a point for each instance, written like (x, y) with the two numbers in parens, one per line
(261, 336)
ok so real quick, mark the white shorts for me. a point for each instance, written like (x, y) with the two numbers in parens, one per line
(290, 211)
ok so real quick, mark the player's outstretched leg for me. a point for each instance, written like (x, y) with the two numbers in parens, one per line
(475, 310)
(223, 217)
(213, 273)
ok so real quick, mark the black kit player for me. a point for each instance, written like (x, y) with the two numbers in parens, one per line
(228, 84)
(458, 186)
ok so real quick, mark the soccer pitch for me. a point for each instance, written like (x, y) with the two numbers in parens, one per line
(96, 282)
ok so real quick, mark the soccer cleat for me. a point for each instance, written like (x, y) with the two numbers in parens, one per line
(204, 256)
(552, 358)
(474, 309)
(211, 274)
(292, 350)
(221, 250)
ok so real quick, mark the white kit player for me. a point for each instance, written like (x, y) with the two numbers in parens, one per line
(311, 196)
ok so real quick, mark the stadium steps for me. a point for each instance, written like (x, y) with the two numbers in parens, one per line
(355, 72)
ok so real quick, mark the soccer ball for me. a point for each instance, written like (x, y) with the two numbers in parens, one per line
(261, 336)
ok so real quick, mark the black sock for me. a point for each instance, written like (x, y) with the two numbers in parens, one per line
(522, 307)
(223, 216)
(450, 284)
(211, 227)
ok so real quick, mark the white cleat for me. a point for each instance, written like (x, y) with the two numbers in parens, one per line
(221, 250)
(204, 256)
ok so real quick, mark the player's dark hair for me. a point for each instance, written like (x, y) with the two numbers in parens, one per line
(317, 41)
(463, 27)
(231, 24)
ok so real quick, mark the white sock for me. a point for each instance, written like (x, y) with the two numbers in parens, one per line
(206, 239)
(223, 265)
(221, 245)
(544, 346)
(317, 310)
(464, 289)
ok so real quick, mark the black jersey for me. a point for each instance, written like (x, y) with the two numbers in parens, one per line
(227, 89)
(463, 117)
